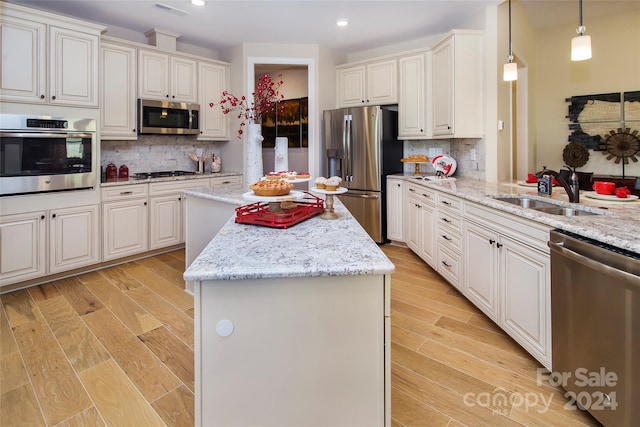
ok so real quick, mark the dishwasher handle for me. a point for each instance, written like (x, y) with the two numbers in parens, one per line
(595, 265)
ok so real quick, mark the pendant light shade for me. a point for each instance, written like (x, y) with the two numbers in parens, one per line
(510, 72)
(581, 44)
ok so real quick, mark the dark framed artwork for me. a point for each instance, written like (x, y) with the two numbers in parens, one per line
(289, 119)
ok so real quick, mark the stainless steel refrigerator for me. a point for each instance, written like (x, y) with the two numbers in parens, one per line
(361, 146)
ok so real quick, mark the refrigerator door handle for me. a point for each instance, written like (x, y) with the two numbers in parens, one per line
(347, 141)
(362, 196)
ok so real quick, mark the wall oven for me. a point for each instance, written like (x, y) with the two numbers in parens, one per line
(44, 153)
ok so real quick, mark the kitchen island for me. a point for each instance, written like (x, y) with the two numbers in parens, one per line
(291, 325)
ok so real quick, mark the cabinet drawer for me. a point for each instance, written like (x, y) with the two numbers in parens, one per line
(121, 192)
(450, 220)
(450, 238)
(225, 180)
(449, 265)
(450, 202)
(156, 188)
(425, 195)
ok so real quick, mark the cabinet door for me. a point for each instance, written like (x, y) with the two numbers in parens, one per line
(412, 97)
(212, 80)
(443, 89)
(183, 77)
(118, 92)
(153, 75)
(165, 221)
(525, 297)
(395, 193)
(24, 60)
(428, 220)
(382, 82)
(125, 228)
(73, 238)
(74, 67)
(22, 247)
(413, 224)
(351, 86)
(480, 283)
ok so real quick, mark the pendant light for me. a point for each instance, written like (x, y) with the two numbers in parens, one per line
(510, 72)
(581, 44)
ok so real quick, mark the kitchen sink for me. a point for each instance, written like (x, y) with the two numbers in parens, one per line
(546, 207)
(526, 202)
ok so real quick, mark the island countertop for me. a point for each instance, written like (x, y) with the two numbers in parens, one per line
(315, 247)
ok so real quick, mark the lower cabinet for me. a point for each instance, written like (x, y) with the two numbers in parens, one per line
(35, 244)
(395, 205)
(125, 221)
(420, 222)
(448, 235)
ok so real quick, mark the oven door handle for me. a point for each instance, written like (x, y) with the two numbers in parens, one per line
(45, 135)
(595, 265)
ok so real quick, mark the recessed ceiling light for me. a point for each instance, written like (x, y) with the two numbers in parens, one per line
(198, 2)
(342, 22)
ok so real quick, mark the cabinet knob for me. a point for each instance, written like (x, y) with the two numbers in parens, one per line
(499, 245)
(179, 198)
(397, 185)
(41, 96)
(53, 97)
(145, 203)
(167, 96)
(133, 130)
(53, 216)
(491, 241)
(41, 216)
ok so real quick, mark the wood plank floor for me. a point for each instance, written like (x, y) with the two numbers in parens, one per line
(115, 348)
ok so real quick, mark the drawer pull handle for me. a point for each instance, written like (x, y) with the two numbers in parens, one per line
(446, 220)
(226, 182)
(491, 241)
(428, 196)
(445, 237)
(122, 193)
(499, 245)
(445, 264)
(444, 202)
(412, 190)
(418, 206)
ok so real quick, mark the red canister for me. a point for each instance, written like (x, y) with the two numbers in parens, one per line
(112, 172)
(123, 174)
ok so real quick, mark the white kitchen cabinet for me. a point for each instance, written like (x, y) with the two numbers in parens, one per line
(73, 238)
(374, 83)
(125, 221)
(22, 247)
(457, 85)
(412, 97)
(395, 205)
(118, 91)
(508, 278)
(166, 77)
(212, 81)
(449, 238)
(167, 211)
(48, 58)
(420, 222)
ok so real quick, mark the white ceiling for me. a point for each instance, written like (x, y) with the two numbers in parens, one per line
(221, 23)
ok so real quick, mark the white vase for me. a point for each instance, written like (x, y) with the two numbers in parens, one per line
(281, 162)
(254, 154)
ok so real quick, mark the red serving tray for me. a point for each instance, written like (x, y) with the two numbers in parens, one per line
(259, 213)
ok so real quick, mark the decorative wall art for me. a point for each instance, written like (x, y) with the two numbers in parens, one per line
(609, 123)
(290, 121)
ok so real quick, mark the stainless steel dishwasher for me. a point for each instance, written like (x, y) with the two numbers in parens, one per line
(595, 317)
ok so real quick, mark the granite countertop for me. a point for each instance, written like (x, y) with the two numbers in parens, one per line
(618, 224)
(315, 247)
(132, 180)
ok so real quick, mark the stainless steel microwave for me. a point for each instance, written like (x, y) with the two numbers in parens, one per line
(168, 118)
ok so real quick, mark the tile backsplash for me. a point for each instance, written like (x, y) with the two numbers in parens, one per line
(153, 153)
(470, 165)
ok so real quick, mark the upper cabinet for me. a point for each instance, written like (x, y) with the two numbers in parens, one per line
(117, 91)
(412, 97)
(48, 59)
(374, 83)
(166, 77)
(213, 78)
(457, 85)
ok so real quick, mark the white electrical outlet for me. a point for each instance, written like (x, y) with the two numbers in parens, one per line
(472, 154)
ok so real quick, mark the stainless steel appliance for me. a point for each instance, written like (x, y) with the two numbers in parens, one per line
(161, 174)
(44, 153)
(595, 317)
(361, 147)
(164, 117)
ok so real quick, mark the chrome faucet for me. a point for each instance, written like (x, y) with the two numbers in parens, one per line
(572, 187)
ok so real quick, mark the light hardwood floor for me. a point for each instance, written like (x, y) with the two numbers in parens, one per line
(115, 348)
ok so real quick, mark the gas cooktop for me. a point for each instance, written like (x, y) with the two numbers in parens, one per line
(161, 174)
